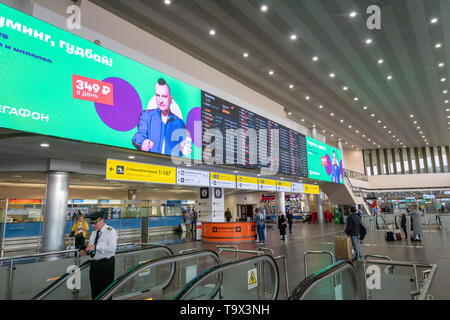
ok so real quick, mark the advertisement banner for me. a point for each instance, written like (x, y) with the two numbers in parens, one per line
(324, 162)
(58, 84)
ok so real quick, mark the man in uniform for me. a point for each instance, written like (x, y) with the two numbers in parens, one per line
(101, 248)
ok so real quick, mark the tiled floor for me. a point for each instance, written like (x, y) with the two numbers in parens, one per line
(434, 249)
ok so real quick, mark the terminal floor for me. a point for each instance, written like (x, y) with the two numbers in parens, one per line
(434, 248)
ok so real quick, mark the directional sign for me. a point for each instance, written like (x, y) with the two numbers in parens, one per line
(247, 183)
(189, 177)
(267, 185)
(140, 172)
(284, 186)
(222, 180)
(311, 189)
(297, 187)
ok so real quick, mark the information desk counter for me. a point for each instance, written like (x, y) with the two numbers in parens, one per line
(228, 231)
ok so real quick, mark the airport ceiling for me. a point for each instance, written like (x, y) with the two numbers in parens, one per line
(370, 88)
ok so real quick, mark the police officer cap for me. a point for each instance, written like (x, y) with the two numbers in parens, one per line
(95, 217)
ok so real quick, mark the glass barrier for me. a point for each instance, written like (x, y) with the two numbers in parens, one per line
(161, 279)
(335, 282)
(393, 280)
(254, 278)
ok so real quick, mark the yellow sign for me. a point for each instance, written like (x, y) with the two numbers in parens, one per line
(283, 184)
(312, 189)
(252, 279)
(247, 180)
(268, 182)
(222, 176)
(140, 172)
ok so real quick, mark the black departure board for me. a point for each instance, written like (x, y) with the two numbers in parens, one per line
(222, 115)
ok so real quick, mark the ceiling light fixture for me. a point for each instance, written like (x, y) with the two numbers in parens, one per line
(389, 77)
(293, 37)
(245, 55)
(438, 45)
(440, 65)
(315, 58)
(291, 86)
(380, 61)
(345, 88)
(45, 145)
(368, 41)
(264, 8)
(353, 14)
(271, 72)
(434, 20)
(332, 75)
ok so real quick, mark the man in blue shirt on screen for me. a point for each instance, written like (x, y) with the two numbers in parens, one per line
(156, 126)
(335, 171)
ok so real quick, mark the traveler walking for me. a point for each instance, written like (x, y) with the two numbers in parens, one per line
(260, 225)
(290, 220)
(416, 218)
(403, 225)
(353, 229)
(282, 224)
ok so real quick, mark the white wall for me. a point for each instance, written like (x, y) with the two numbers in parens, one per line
(353, 160)
(428, 180)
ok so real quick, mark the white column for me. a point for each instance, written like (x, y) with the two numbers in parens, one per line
(281, 204)
(54, 226)
(320, 216)
(211, 205)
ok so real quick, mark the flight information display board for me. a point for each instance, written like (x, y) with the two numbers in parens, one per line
(223, 115)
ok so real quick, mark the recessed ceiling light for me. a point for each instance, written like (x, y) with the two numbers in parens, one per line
(393, 136)
(445, 91)
(315, 58)
(167, 2)
(380, 61)
(365, 107)
(357, 131)
(321, 107)
(418, 128)
(421, 132)
(440, 65)
(271, 72)
(363, 135)
(345, 88)
(303, 120)
(332, 75)
(447, 110)
(332, 114)
(293, 36)
(415, 122)
(438, 45)
(212, 32)
(369, 139)
(45, 145)
(264, 8)
(350, 127)
(384, 127)
(245, 55)
(353, 14)
(434, 20)
(236, 171)
(332, 135)
(389, 131)
(372, 115)
(356, 99)
(289, 113)
(379, 121)
(389, 77)
(314, 125)
(368, 41)
(446, 101)
(131, 157)
(323, 131)
(443, 79)
(307, 97)
(342, 121)
(291, 86)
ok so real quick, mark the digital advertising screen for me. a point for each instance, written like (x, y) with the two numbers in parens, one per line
(324, 162)
(57, 84)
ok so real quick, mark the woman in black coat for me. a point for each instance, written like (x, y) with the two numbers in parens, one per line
(290, 220)
(282, 224)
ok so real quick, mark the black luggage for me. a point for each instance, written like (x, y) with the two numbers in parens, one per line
(389, 236)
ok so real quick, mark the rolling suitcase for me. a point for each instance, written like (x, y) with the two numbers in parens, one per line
(389, 236)
(397, 235)
(343, 247)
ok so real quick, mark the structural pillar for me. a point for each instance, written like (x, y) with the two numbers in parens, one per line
(211, 205)
(320, 216)
(341, 149)
(281, 203)
(55, 211)
(314, 133)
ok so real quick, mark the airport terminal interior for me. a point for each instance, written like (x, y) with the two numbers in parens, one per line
(233, 146)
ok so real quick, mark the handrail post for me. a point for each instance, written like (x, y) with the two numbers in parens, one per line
(10, 292)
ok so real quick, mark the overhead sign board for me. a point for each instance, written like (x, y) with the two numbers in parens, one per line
(297, 187)
(311, 189)
(189, 177)
(284, 186)
(267, 185)
(139, 172)
(248, 183)
(222, 180)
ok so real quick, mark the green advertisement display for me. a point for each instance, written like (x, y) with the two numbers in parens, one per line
(324, 162)
(57, 84)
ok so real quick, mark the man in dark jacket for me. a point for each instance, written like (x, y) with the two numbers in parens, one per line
(353, 229)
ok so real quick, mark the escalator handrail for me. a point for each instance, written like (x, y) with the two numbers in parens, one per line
(54, 285)
(122, 280)
(219, 269)
(309, 282)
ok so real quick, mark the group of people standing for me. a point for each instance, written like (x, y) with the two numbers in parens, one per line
(282, 221)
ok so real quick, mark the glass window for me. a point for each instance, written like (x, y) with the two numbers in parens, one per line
(374, 162)
(405, 160)
(397, 161)
(436, 159)
(413, 160)
(421, 162)
(367, 162)
(390, 161)
(382, 162)
(444, 158)
(430, 163)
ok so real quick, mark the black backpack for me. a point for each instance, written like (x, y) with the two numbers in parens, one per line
(389, 236)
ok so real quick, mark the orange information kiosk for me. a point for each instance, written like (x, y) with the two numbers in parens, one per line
(228, 231)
